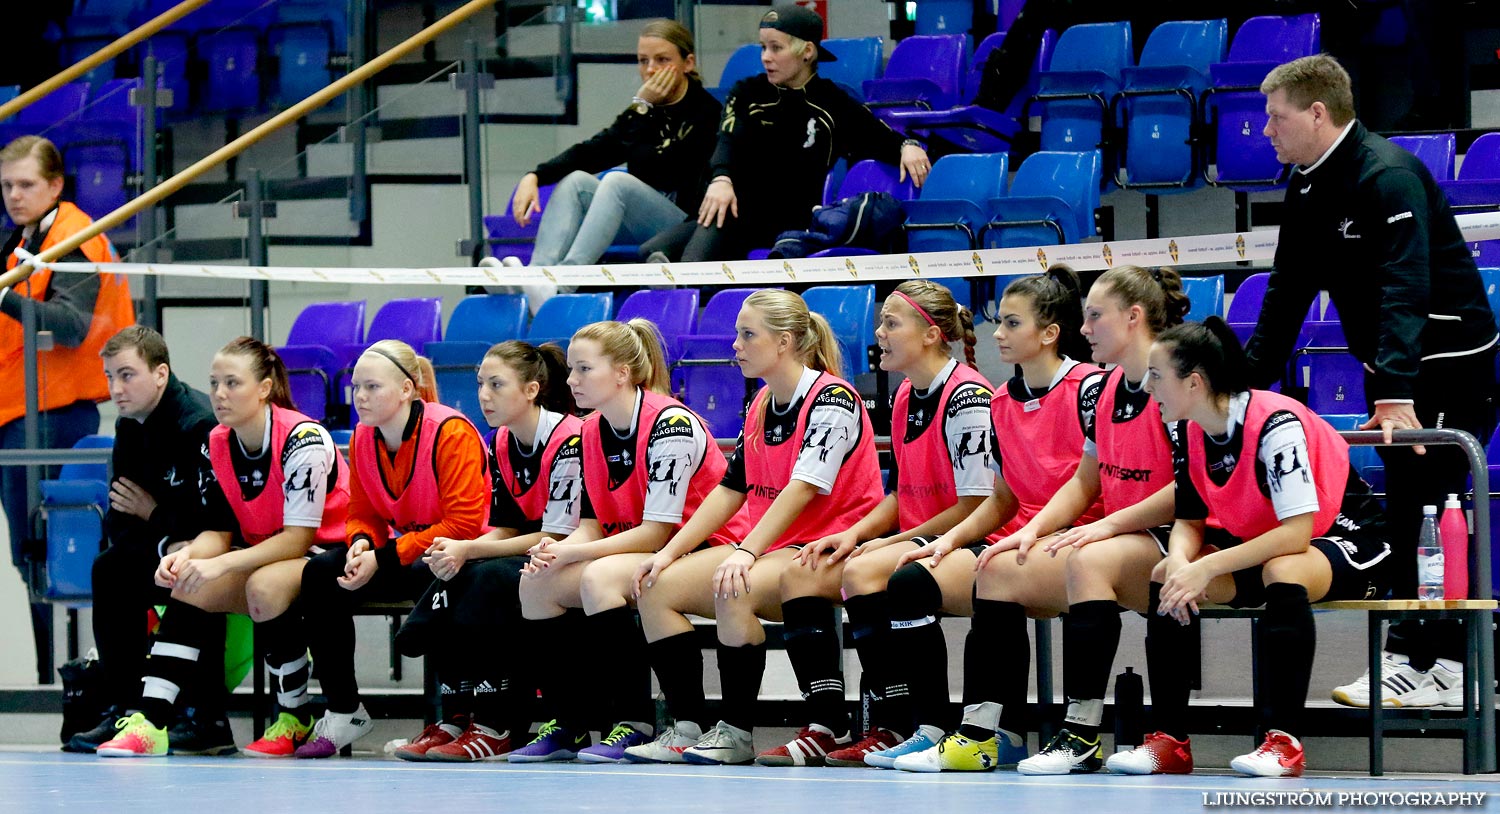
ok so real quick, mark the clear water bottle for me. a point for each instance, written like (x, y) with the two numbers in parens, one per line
(1429, 557)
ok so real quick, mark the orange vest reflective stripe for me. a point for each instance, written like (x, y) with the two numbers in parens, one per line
(64, 375)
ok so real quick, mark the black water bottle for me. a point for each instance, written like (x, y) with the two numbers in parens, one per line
(1130, 710)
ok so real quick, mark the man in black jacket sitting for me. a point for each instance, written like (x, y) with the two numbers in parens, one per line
(161, 440)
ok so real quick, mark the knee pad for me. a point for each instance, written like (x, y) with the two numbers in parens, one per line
(914, 593)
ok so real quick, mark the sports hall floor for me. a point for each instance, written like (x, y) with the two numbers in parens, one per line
(44, 781)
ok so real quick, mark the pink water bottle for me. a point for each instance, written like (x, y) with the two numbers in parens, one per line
(1453, 531)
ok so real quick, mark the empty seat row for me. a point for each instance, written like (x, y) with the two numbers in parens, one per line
(326, 339)
(230, 56)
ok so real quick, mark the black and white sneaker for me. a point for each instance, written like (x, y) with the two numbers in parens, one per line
(1066, 754)
(198, 733)
(89, 740)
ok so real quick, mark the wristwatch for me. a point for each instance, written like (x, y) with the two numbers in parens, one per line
(640, 105)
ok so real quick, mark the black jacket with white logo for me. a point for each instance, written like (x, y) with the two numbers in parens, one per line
(1370, 226)
(166, 455)
(777, 144)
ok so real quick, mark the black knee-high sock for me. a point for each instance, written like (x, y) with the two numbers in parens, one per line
(286, 661)
(456, 682)
(740, 672)
(916, 599)
(622, 645)
(997, 662)
(330, 636)
(1091, 635)
(813, 646)
(1289, 638)
(870, 627)
(176, 661)
(558, 643)
(1168, 646)
(679, 670)
(497, 700)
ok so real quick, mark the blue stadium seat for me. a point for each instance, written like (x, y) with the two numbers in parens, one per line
(508, 238)
(1335, 382)
(673, 311)
(1491, 278)
(73, 507)
(1157, 109)
(715, 392)
(859, 60)
(233, 59)
(944, 17)
(478, 322)
(1205, 296)
(1244, 306)
(310, 356)
(923, 73)
(850, 311)
(50, 116)
(950, 209)
(9, 92)
(82, 35)
(1436, 150)
(110, 118)
(488, 318)
(1478, 189)
(969, 127)
(1073, 94)
(1240, 157)
(1052, 200)
(415, 321)
(172, 47)
(875, 176)
(100, 172)
(560, 317)
(304, 38)
(743, 64)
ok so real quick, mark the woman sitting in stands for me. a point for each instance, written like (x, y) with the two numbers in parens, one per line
(279, 493)
(664, 139)
(781, 134)
(419, 474)
(467, 621)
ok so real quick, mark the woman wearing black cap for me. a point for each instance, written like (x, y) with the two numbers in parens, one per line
(781, 133)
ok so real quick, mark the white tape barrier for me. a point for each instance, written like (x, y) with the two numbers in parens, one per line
(1178, 251)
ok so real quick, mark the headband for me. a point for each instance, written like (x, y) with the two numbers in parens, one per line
(397, 364)
(923, 312)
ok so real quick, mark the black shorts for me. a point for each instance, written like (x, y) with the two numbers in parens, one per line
(482, 600)
(1359, 556)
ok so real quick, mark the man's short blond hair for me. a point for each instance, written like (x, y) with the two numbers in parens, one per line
(1318, 78)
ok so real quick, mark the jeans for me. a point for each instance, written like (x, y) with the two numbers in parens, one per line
(585, 215)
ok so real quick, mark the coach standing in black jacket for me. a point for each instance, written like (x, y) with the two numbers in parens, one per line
(161, 440)
(1364, 220)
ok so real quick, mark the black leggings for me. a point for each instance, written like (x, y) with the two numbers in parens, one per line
(329, 610)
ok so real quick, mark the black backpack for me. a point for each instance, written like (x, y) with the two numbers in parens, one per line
(869, 220)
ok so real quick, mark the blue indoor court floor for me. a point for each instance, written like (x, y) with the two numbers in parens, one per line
(47, 781)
